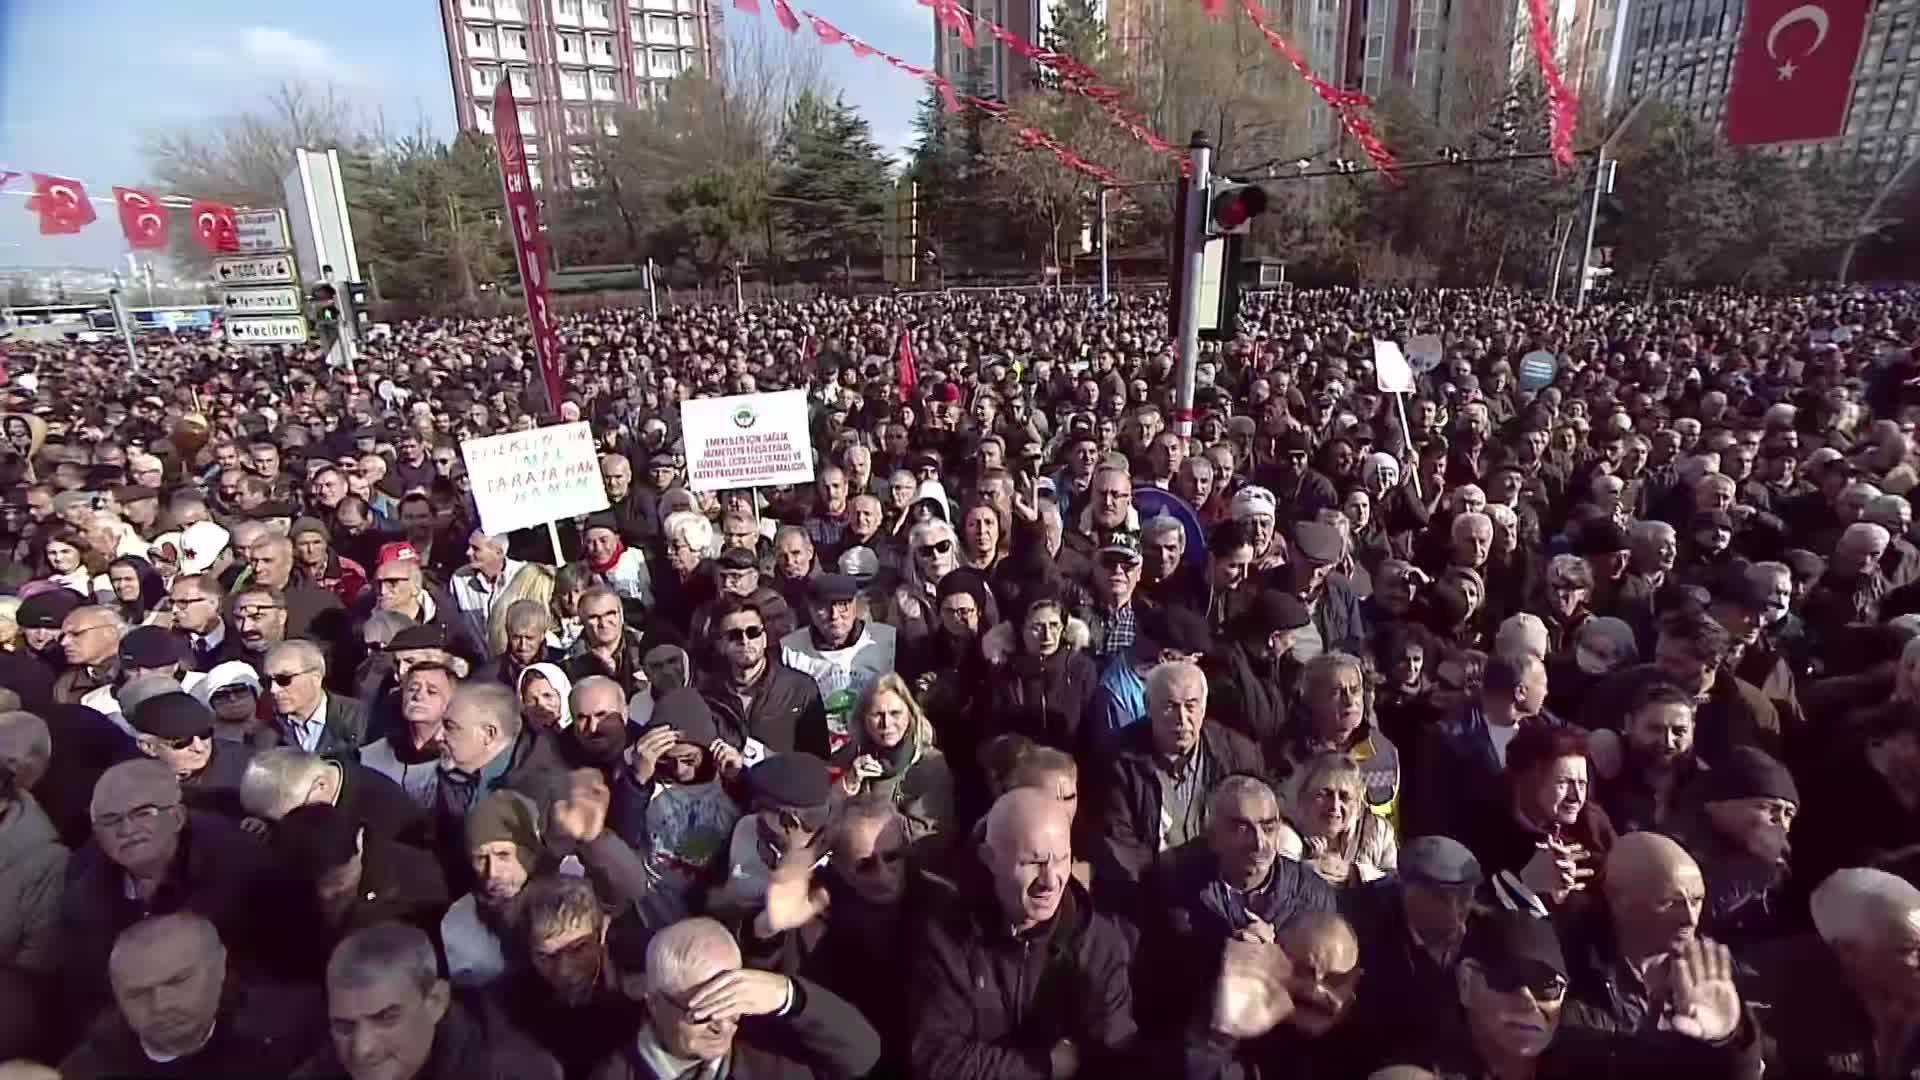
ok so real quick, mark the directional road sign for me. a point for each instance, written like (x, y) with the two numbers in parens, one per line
(266, 329)
(253, 270)
(272, 300)
(261, 231)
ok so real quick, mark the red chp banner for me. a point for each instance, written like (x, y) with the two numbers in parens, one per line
(529, 246)
(1794, 70)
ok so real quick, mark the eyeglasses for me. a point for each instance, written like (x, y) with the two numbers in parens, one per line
(285, 678)
(68, 635)
(1113, 560)
(741, 634)
(248, 614)
(139, 815)
(940, 547)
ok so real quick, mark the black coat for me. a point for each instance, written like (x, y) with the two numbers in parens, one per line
(1121, 817)
(474, 1042)
(1189, 916)
(1247, 693)
(263, 1029)
(343, 730)
(580, 1037)
(1398, 979)
(1816, 1026)
(821, 1037)
(216, 788)
(1043, 699)
(381, 806)
(1584, 1054)
(220, 872)
(397, 884)
(985, 1005)
(786, 713)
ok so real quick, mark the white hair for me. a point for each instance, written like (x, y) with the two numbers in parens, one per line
(1522, 632)
(690, 528)
(1649, 530)
(309, 655)
(1864, 535)
(1859, 905)
(689, 953)
(1162, 676)
(1465, 523)
(276, 781)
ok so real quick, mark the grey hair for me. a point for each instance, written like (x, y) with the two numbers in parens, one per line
(1324, 665)
(1161, 678)
(688, 526)
(492, 540)
(596, 682)
(1463, 524)
(383, 951)
(1859, 905)
(1646, 532)
(1239, 786)
(1860, 534)
(523, 613)
(24, 737)
(497, 701)
(1571, 568)
(689, 953)
(147, 932)
(309, 654)
(276, 781)
(383, 626)
(1166, 523)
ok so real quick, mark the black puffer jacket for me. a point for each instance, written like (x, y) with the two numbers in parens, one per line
(786, 713)
(985, 1005)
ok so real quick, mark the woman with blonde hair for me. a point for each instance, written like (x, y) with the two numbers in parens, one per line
(890, 754)
(1345, 842)
(533, 582)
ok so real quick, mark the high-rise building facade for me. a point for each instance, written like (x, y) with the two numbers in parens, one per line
(572, 64)
(1682, 52)
(989, 69)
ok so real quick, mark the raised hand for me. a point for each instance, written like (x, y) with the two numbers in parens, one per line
(645, 754)
(1554, 872)
(737, 993)
(793, 900)
(727, 759)
(1250, 998)
(1706, 1005)
(581, 814)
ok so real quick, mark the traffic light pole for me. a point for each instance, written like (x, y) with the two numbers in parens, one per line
(1602, 180)
(1193, 253)
(1102, 226)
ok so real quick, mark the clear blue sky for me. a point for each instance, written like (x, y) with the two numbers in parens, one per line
(82, 80)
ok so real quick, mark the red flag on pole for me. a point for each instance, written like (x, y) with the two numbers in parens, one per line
(784, 15)
(1793, 71)
(61, 203)
(752, 6)
(904, 367)
(213, 227)
(529, 243)
(142, 218)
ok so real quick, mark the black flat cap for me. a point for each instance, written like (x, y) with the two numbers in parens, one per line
(797, 780)
(832, 588)
(152, 647)
(424, 636)
(175, 714)
(47, 610)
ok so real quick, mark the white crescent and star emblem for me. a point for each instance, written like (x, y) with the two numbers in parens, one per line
(157, 222)
(64, 193)
(1807, 13)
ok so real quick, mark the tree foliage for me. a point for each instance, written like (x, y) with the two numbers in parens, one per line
(830, 183)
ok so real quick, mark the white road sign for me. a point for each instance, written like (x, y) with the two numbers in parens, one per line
(273, 300)
(253, 270)
(266, 329)
(261, 230)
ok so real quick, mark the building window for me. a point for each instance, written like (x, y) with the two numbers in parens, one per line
(576, 121)
(603, 13)
(510, 9)
(570, 9)
(570, 45)
(603, 82)
(603, 48)
(661, 31)
(485, 77)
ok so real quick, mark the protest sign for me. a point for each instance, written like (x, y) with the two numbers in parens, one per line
(527, 478)
(747, 440)
(1391, 372)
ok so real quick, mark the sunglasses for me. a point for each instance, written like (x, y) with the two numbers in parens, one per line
(285, 678)
(181, 743)
(746, 633)
(231, 693)
(1113, 560)
(1545, 988)
(938, 548)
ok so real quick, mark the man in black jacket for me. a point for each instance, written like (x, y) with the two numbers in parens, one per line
(755, 696)
(705, 1010)
(1251, 677)
(175, 729)
(151, 856)
(568, 997)
(344, 878)
(1149, 789)
(1211, 888)
(281, 780)
(180, 1011)
(393, 1018)
(1017, 977)
(304, 713)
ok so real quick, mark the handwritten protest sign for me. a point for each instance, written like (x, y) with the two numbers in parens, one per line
(528, 478)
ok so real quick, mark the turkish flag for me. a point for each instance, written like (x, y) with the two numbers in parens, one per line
(142, 218)
(213, 227)
(904, 367)
(1793, 72)
(61, 203)
(784, 15)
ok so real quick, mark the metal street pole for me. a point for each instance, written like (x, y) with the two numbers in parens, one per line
(1103, 244)
(1602, 182)
(653, 298)
(1193, 251)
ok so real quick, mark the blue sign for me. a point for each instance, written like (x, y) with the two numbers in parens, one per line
(1537, 369)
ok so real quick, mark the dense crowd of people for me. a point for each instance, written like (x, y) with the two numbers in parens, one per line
(1570, 731)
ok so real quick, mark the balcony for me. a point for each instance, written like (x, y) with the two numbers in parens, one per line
(599, 15)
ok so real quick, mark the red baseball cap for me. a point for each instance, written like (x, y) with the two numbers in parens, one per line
(397, 553)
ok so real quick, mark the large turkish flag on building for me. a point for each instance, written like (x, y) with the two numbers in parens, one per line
(1794, 71)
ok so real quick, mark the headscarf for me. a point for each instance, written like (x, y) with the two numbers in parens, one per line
(559, 681)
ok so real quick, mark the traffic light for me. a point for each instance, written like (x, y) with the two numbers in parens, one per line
(326, 308)
(360, 302)
(1610, 220)
(1232, 206)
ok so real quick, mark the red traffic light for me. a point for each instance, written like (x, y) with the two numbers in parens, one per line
(1233, 208)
